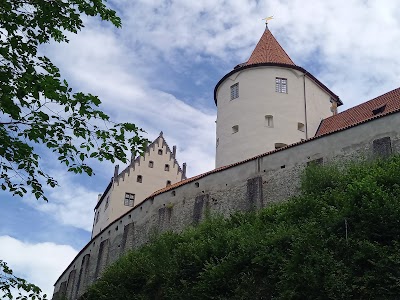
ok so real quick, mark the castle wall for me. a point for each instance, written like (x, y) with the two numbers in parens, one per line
(252, 184)
(259, 99)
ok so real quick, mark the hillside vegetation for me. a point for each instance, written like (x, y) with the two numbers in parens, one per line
(338, 240)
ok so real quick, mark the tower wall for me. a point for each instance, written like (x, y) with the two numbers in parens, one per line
(304, 103)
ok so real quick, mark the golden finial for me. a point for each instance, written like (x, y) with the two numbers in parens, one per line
(268, 18)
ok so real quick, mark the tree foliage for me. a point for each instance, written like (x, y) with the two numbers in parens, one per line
(39, 110)
(338, 240)
(11, 285)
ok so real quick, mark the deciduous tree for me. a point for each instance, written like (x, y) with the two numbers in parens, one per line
(39, 110)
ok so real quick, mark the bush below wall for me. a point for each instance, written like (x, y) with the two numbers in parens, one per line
(340, 239)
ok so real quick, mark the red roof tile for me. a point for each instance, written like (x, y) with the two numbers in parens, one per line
(268, 50)
(383, 104)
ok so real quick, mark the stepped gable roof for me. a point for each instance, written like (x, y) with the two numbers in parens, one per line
(268, 50)
(138, 160)
(385, 103)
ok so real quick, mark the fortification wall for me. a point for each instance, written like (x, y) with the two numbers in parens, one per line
(245, 186)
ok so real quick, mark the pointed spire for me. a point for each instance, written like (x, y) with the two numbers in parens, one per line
(268, 50)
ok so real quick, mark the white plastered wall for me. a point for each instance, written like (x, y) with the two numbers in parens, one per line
(257, 99)
(153, 179)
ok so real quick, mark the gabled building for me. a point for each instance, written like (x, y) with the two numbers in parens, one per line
(267, 103)
(156, 169)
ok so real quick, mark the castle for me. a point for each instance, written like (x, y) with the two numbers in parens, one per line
(273, 119)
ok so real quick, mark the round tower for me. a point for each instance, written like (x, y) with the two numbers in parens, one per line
(267, 103)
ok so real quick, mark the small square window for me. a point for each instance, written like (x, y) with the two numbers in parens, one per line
(168, 182)
(301, 127)
(160, 152)
(281, 85)
(151, 164)
(235, 91)
(139, 179)
(235, 129)
(166, 167)
(129, 199)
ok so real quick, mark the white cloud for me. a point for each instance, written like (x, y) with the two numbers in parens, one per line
(40, 264)
(70, 204)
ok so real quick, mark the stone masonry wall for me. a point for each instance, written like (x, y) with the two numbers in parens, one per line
(249, 185)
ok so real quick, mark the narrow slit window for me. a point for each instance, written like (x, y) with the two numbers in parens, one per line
(235, 129)
(129, 199)
(269, 121)
(281, 85)
(97, 217)
(107, 202)
(166, 167)
(151, 164)
(235, 91)
(301, 127)
(139, 178)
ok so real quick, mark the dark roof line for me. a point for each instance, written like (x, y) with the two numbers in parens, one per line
(312, 77)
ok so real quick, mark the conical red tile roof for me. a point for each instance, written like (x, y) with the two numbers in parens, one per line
(268, 50)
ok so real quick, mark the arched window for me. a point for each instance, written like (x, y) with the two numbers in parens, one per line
(139, 178)
(151, 164)
(269, 121)
(160, 152)
(280, 145)
(166, 167)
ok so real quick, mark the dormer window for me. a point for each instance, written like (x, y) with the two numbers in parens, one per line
(281, 85)
(235, 91)
(379, 110)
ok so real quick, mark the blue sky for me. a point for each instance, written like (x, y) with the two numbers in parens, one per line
(159, 71)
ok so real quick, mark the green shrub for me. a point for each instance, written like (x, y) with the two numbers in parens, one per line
(339, 239)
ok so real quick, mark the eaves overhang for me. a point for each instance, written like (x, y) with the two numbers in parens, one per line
(294, 67)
